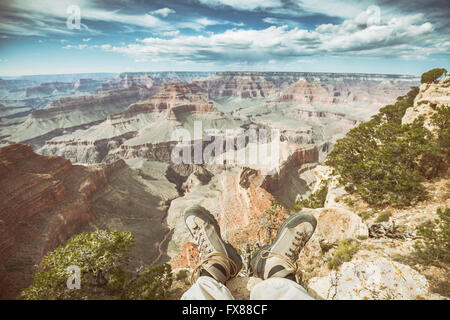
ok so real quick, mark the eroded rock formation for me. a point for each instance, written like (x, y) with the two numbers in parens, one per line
(431, 96)
(46, 200)
(75, 111)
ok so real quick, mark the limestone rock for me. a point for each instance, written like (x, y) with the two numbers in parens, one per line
(335, 190)
(333, 225)
(388, 230)
(431, 96)
(335, 193)
(372, 278)
(336, 224)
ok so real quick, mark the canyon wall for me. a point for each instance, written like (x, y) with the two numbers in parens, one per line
(46, 200)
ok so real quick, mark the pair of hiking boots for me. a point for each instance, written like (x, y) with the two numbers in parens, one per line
(222, 262)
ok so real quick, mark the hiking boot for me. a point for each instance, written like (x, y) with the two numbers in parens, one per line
(217, 259)
(279, 258)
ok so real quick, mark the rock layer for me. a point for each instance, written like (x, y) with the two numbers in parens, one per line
(75, 111)
(431, 97)
(46, 200)
(371, 279)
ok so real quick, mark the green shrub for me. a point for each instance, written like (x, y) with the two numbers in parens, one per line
(345, 251)
(181, 275)
(101, 257)
(433, 75)
(315, 200)
(386, 162)
(349, 201)
(442, 288)
(151, 283)
(384, 216)
(441, 119)
(366, 214)
(434, 247)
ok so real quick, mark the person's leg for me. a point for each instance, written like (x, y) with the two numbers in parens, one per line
(207, 288)
(279, 289)
(276, 263)
(219, 261)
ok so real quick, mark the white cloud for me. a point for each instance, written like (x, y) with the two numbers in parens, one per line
(207, 22)
(336, 8)
(163, 12)
(79, 46)
(200, 24)
(145, 20)
(402, 37)
(87, 40)
(38, 18)
(281, 22)
(273, 20)
(171, 33)
(243, 4)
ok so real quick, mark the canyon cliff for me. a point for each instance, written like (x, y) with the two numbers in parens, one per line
(47, 200)
(104, 160)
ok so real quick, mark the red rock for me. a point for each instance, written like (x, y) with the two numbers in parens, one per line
(189, 257)
(176, 98)
(40, 208)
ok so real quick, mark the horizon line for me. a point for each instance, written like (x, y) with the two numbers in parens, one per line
(194, 71)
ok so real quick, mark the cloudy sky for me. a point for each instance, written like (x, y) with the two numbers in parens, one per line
(371, 36)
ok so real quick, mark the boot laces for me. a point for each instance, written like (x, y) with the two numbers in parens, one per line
(290, 259)
(203, 243)
(216, 257)
(207, 254)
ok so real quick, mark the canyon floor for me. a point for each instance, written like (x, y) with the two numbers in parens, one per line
(98, 153)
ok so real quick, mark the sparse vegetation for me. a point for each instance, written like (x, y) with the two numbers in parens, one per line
(181, 275)
(441, 119)
(366, 214)
(427, 224)
(270, 222)
(325, 246)
(101, 257)
(385, 162)
(384, 216)
(151, 283)
(315, 200)
(442, 288)
(434, 247)
(349, 201)
(433, 75)
(345, 251)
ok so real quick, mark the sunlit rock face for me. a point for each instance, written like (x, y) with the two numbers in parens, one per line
(431, 97)
(145, 110)
(103, 157)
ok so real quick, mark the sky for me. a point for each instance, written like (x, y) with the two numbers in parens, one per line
(362, 36)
